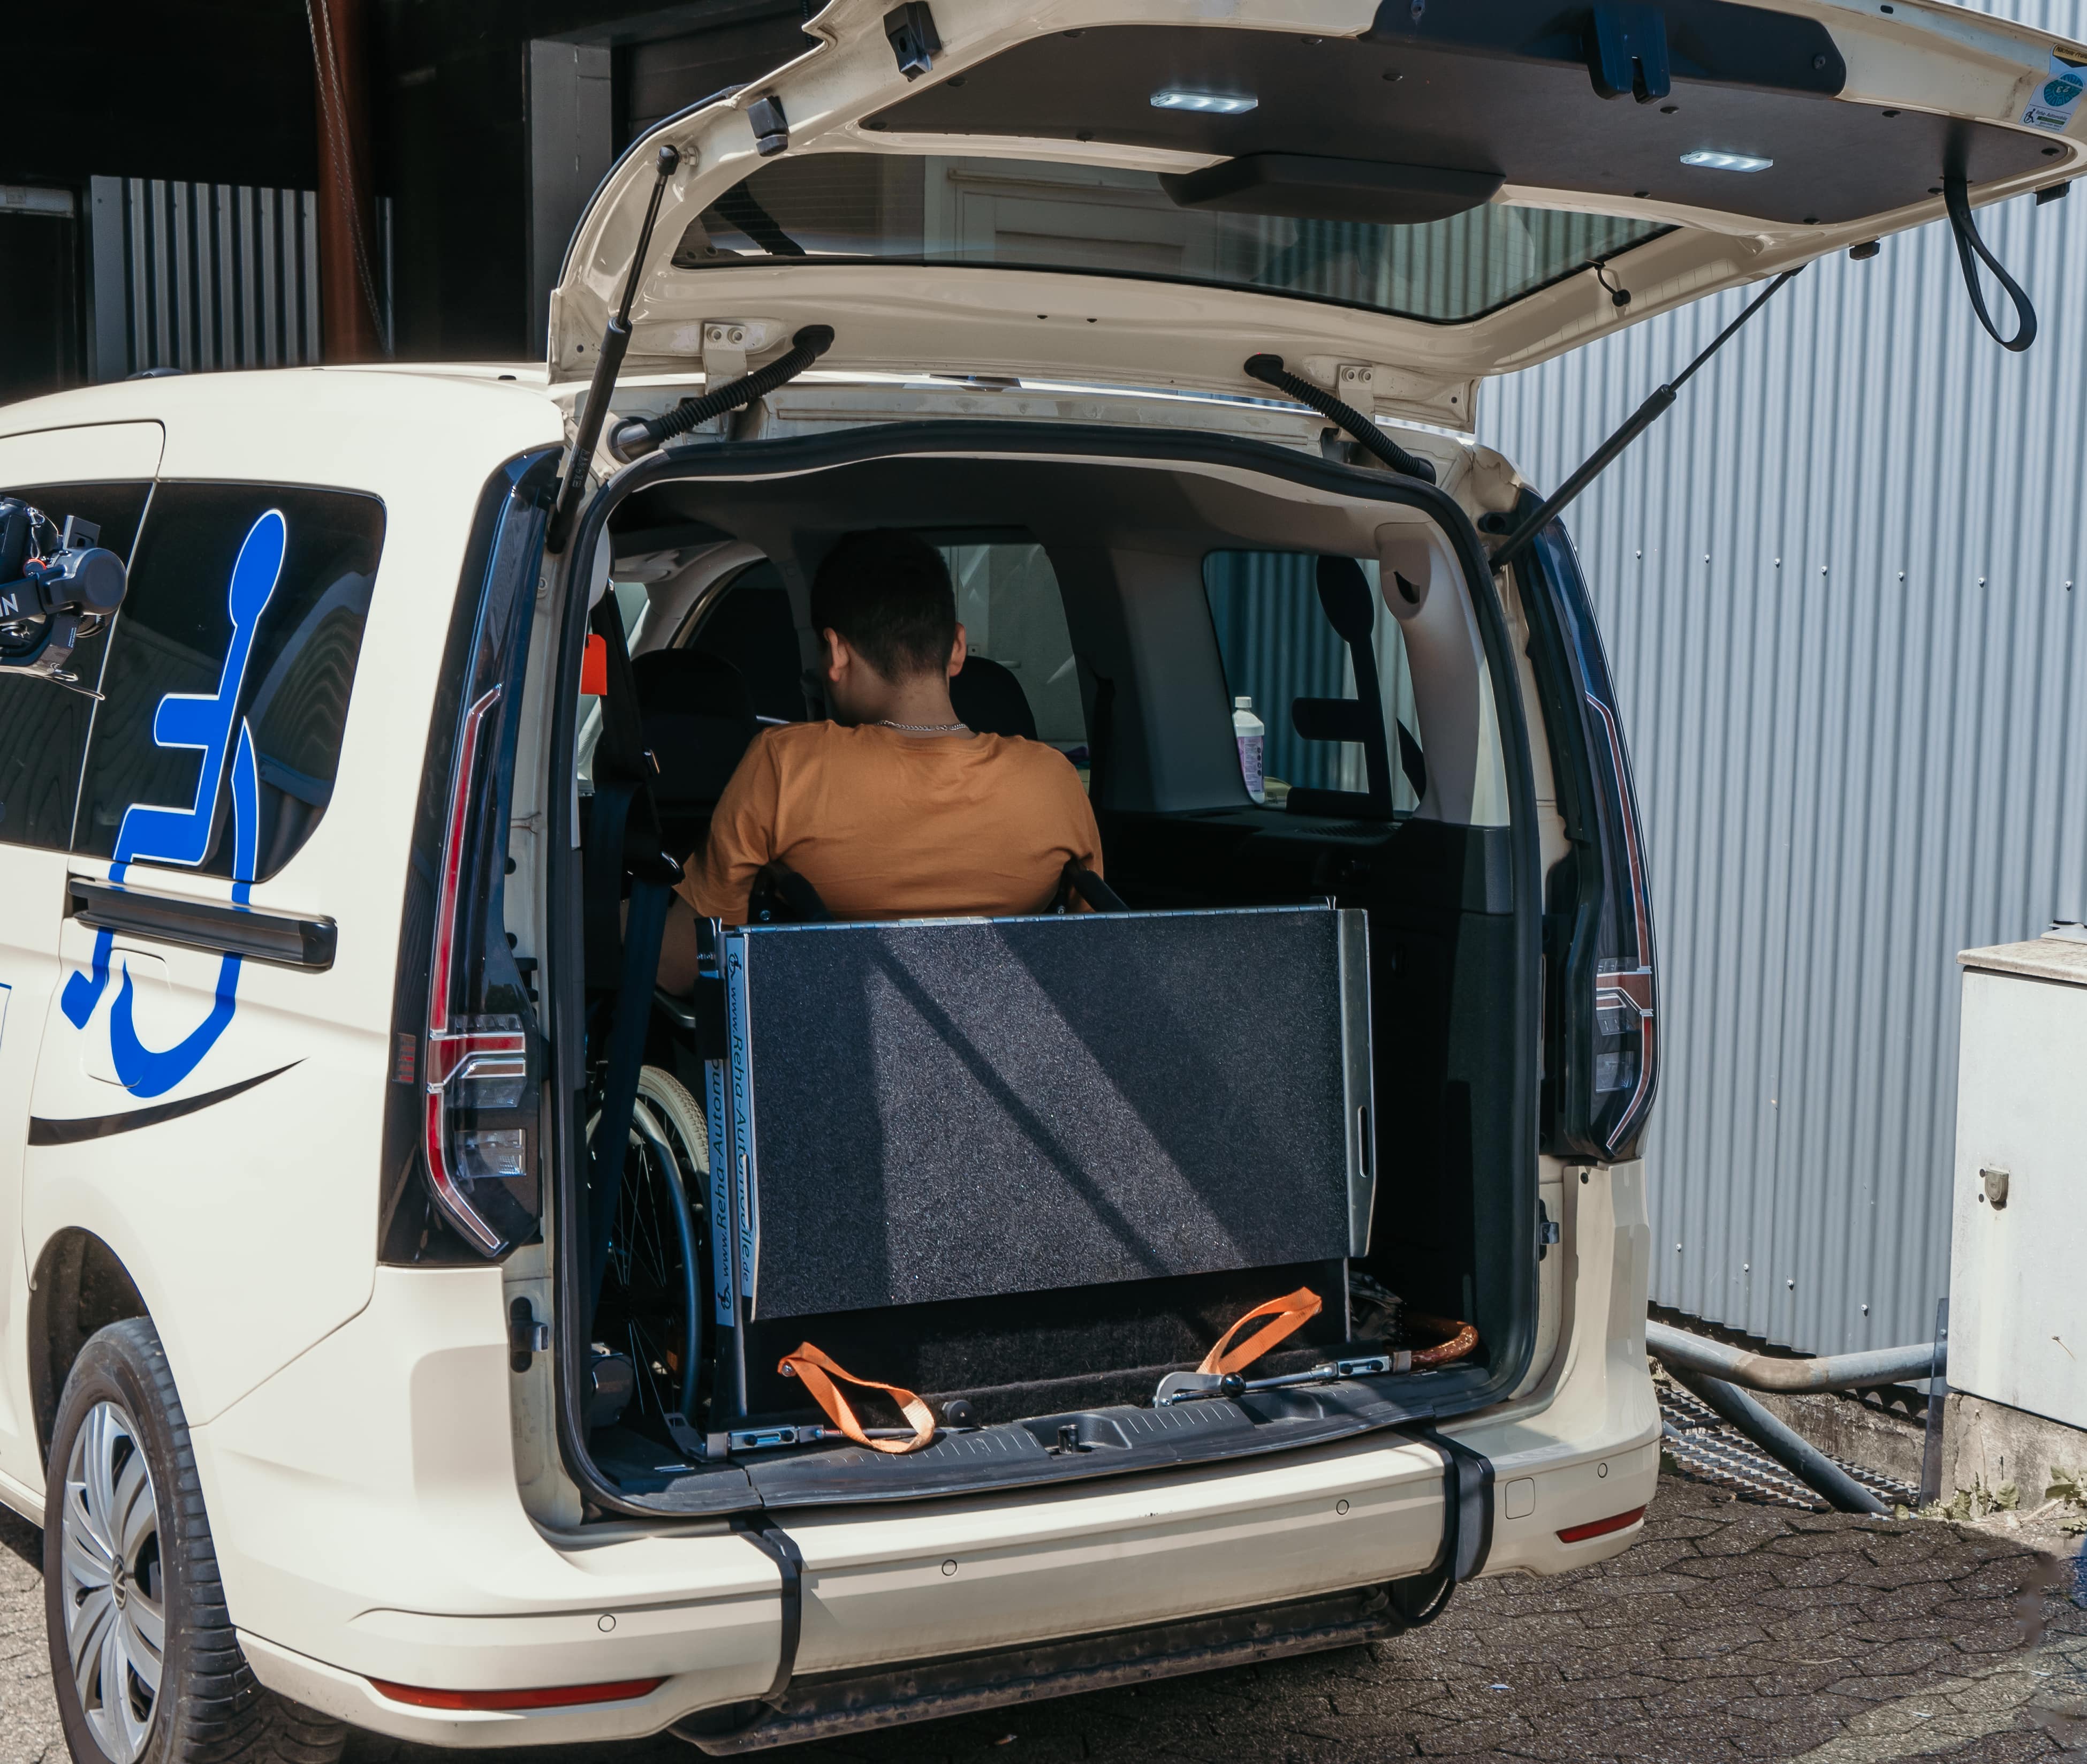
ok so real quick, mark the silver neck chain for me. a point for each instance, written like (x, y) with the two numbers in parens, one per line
(924, 728)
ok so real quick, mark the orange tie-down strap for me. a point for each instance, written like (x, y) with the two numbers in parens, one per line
(818, 1370)
(1286, 1315)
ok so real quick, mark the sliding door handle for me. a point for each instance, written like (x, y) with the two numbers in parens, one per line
(283, 939)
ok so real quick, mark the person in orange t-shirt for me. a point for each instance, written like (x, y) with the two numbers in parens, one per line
(894, 810)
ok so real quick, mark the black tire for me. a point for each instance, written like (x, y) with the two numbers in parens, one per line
(121, 1412)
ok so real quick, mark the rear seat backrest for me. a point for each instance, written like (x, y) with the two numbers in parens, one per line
(698, 719)
(753, 629)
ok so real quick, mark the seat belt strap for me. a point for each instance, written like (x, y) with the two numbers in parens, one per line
(601, 883)
(1287, 1315)
(622, 739)
(623, 771)
(650, 897)
(816, 1371)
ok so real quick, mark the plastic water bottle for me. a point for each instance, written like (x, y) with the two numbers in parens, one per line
(1253, 736)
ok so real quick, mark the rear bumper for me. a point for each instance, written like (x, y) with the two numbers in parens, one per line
(369, 1529)
(831, 1704)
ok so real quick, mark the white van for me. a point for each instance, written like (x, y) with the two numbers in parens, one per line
(395, 1334)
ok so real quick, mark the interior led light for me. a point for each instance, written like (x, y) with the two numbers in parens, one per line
(1719, 162)
(1228, 103)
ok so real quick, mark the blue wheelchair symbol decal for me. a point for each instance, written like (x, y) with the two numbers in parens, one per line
(151, 834)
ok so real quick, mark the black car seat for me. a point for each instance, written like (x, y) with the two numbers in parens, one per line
(990, 698)
(753, 629)
(698, 719)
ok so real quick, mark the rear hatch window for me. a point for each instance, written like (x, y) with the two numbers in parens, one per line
(1106, 220)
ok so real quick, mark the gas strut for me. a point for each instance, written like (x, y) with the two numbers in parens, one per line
(1641, 419)
(615, 340)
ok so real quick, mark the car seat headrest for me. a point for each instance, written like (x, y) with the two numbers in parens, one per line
(1344, 594)
(988, 697)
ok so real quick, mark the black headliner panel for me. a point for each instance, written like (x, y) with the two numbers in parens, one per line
(1533, 119)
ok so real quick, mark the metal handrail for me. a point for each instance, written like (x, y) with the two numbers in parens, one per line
(1766, 1372)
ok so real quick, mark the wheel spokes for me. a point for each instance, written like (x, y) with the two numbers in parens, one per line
(86, 1562)
(98, 1443)
(129, 1727)
(136, 1518)
(145, 1634)
(88, 1620)
(115, 1629)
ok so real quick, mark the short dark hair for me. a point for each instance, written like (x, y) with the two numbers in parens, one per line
(888, 593)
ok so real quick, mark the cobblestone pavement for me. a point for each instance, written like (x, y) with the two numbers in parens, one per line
(1733, 1629)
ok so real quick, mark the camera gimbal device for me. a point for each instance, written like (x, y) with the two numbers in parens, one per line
(57, 586)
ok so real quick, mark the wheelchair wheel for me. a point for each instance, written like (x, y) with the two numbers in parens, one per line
(655, 1295)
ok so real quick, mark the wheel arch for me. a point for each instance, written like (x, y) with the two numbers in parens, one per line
(80, 1285)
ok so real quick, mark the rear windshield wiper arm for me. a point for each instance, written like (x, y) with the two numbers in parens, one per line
(1640, 420)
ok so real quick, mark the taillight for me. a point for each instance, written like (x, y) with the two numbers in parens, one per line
(1601, 993)
(479, 1067)
(1625, 1053)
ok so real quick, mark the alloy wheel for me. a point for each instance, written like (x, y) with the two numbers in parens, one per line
(114, 1590)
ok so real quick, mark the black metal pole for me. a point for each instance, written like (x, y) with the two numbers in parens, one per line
(615, 340)
(1641, 419)
(1938, 1398)
(1797, 1454)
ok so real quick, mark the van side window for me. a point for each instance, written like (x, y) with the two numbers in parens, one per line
(752, 628)
(44, 725)
(306, 562)
(1014, 615)
(1278, 646)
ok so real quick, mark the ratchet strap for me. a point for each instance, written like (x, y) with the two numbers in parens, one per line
(1287, 1316)
(818, 1370)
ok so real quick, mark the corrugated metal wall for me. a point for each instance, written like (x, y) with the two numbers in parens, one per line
(199, 276)
(1843, 588)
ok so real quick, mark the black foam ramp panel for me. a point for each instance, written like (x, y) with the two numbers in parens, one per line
(955, 1108)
